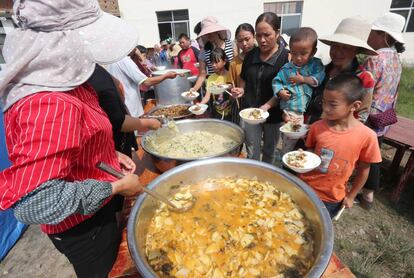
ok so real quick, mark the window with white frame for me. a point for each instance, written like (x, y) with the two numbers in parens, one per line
(172, 23)
(404, 8)
(290, 13)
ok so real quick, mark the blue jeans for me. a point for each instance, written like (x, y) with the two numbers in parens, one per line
(333, 208)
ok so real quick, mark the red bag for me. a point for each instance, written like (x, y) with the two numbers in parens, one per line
(383, 119)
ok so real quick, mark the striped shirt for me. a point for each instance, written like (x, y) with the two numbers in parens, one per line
(55, 135)
(228, 49)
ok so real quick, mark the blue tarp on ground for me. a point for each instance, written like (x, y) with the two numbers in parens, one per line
(10, 228)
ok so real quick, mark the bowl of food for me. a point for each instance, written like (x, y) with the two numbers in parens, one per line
(219, 89)
(198, 109)
(301, 161)
(190, 96)
(254, 116)
(294, 131)
(161, 67)
(173, 111)
(249, 219)
(192, 140)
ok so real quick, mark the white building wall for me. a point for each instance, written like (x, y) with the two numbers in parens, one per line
(322, 15)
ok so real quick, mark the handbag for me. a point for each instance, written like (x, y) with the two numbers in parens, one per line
(383, 119)
(386, 118)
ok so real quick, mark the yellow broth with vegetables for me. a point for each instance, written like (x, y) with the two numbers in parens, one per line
(238, 227)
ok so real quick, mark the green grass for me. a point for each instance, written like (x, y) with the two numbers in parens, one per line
(405, 102)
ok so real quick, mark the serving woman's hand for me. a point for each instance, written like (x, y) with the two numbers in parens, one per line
(129, 185)
(127, 165)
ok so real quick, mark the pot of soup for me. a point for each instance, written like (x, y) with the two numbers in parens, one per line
(169, 91)
(249, 219)
(192, 139)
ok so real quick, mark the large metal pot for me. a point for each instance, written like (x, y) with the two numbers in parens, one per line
(225, 128)
(169, 91)
(196, 171)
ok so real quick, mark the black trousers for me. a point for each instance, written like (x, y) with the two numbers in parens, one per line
(373, 181)
(92, 246)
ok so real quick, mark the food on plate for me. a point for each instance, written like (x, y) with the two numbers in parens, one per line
(190, 94)
(297, 159)
(197, 107)
(190, 145)
(172, 111)
(238, 227)
(291, 127)
(254, 114)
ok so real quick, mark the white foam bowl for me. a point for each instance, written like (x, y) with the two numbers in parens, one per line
(245, 112)
(203, 108)
(218, 89)
(312, 161)
(193, 96)
(161, 67)
(294, 134)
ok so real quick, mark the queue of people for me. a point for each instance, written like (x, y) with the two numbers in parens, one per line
(63, 118)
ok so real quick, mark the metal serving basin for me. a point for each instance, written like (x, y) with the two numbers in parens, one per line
(196, 171)
(225, 128)
(169, 91)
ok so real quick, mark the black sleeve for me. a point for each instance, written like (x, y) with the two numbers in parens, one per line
(245, 65)
(196, 52)
(108, 96)
(180, 63)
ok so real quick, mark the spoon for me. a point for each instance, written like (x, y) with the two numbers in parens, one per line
(112, 171)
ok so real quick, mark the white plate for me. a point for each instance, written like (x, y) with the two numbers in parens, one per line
(218, 89)
(245, 112)
(190, 98)
(203, 108)
(292, 134)
(312, 161)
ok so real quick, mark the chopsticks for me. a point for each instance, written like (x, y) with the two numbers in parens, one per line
(237, 99)
(338, 215)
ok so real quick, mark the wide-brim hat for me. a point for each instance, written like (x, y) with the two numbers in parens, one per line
(392, 24)
(210, 25)
(57, 44)
(353, 31)
(175, 50)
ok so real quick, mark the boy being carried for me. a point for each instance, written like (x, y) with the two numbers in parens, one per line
(343, 143)
(293, 84)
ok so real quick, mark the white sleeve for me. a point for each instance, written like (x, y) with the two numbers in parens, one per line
(131, 70)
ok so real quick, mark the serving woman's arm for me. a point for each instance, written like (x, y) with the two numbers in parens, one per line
(201, 77)
(54, 200)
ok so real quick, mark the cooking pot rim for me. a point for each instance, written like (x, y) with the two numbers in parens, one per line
(150, 132)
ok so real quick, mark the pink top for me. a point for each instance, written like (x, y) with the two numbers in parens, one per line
(386, 71)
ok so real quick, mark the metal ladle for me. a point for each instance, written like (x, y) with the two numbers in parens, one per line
(112, 171)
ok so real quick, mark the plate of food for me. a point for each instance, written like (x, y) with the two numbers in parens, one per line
(294, 131)
(254, 116)
(218, 89)
(190, 96)
(301, 161)
(198, 108)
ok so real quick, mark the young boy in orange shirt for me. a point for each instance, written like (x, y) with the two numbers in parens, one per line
(342, 142)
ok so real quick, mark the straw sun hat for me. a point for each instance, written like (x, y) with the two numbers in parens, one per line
(352, 31)
(392, 24)
(210, 25)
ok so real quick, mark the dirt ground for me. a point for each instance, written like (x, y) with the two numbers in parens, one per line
(373, 244)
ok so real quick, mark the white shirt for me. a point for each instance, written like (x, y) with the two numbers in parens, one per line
(131, 77)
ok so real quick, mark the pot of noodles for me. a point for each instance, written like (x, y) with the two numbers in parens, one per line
(188, 140)
(249, 219)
